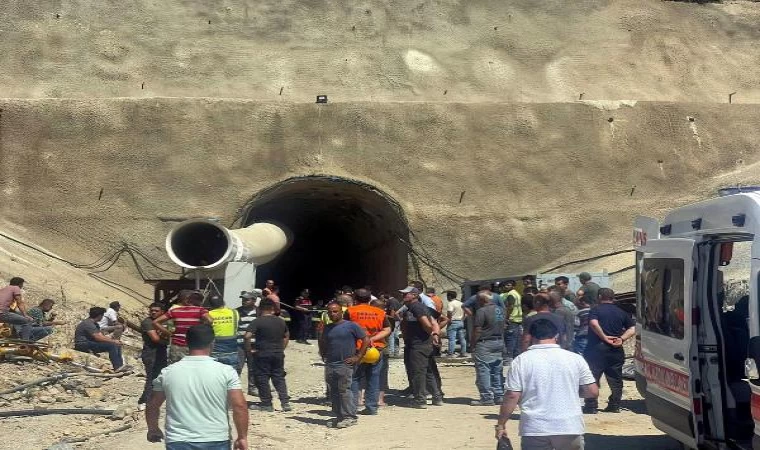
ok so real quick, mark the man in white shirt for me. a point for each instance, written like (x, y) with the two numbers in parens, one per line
(456, 329)
(109, 324)
(545, 381)
(198, 391)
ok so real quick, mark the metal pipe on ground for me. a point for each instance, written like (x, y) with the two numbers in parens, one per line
(45, 412)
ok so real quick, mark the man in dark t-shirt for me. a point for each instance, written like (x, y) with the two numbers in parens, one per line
(153, 355)
(338, 349)
(271, 336)
(542, 304)
(588, 290)
(609, 327)
(487, 347)
(419, 338)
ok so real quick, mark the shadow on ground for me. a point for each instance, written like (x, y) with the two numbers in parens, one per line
(311, 421)
(658, 442)
(635, 406)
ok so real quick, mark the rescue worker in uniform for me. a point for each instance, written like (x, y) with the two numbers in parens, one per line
(226, 323)
(376, 325)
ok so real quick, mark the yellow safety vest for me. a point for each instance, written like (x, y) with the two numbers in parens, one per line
(516, 315)
(225, 322)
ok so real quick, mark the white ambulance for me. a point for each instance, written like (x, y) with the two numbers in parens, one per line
(698, 320)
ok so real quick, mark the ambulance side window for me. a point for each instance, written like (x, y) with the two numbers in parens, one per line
(662, 286)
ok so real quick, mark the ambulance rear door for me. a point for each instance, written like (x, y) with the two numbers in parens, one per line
(668, 355)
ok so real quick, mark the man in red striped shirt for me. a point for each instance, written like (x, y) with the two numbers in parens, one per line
(188, 314)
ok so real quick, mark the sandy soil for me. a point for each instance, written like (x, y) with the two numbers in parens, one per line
(454, 425)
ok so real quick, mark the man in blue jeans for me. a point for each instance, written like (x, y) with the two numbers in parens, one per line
(88, 338)
(487, 347)
(456, 330)
(8, 296)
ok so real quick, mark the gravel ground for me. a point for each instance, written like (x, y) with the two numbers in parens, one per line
(454, 425)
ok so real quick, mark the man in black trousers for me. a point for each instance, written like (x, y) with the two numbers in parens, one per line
(271, 336)
(609, 327)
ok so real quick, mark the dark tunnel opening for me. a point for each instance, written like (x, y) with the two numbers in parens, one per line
(344, 233)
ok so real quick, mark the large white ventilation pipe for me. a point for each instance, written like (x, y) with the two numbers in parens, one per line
(203, 244)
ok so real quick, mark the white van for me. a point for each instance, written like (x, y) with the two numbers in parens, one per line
(698, 320)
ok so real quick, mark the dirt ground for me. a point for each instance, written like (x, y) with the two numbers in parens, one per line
(454, 425)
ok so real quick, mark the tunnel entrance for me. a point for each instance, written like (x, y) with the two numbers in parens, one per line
(344, 233)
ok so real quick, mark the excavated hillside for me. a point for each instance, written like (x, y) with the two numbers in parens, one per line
(493, 137)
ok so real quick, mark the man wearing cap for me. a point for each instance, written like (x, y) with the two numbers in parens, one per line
(247, 313)
(439, 321)
(188, 314)
(421, 333)
(589, 290)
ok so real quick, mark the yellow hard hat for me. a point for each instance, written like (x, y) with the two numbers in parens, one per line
(372, 356)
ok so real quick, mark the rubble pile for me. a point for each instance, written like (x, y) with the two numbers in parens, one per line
(111, 402)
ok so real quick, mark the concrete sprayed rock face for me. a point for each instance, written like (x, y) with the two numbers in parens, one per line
(538, 180)
(454, 128)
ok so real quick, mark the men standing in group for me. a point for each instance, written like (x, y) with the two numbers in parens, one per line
(199, 393)
(247, 312)
(377, 327)
(487, 349)
(513, 327)
(588, 290)
(456, 329)
(274, 296)
(44, 320)
(392, 305)
(529, 282)
(268, 288)
(270, 337)
(581, 326)
(153, 355)
(12, 294)
(337, 347)
(609, 328)
(545, 381)
(471, 304)
(88, 338)
(109, 324)
(563, 283)
(568, 317)
(437, 301)
(188, 314)
(225, 324)
(302, 309)
(542, 304)
(438, 321)
(420, 335)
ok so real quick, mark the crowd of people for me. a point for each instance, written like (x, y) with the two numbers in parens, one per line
(546, 335)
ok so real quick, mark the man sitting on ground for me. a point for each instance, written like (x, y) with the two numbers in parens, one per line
(44, 320)
(89, 338)
(109, 324)
(22, 321)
